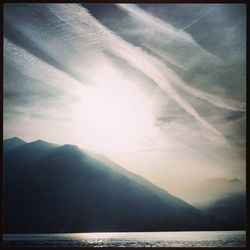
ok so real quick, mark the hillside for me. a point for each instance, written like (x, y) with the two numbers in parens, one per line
(64, 189)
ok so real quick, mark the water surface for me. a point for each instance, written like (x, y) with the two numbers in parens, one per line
(141, 239)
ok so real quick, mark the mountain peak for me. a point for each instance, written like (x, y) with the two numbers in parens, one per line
(70, 149)
(39, 141)
(235, 180)
(15, 139)
(42, 143)
(70, 146)
(12, 143)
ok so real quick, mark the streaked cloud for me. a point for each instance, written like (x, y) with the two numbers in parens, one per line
(136, 57)
(168, 30)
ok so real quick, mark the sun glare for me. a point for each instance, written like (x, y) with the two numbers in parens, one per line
(114, 114)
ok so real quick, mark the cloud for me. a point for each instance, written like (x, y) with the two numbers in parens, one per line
(173, 34)
(40, 38)
(32, 66)
(148, 19)
(56, 54)
(179, 34)
(81, 20)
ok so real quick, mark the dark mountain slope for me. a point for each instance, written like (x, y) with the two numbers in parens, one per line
(166, 197)
(222, 198)
(231, 209)
(63, 189)
(17, 159)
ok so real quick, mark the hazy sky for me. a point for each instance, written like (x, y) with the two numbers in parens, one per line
(157, 88)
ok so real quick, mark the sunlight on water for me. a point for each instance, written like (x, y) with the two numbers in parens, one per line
(141, 239)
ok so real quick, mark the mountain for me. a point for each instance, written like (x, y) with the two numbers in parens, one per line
(231, 209)
(161, 193)
(12, 143)
(50, 188)
(211, 190)
(19, 158)
(222, 198)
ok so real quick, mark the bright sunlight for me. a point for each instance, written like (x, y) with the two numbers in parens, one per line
(114, 116)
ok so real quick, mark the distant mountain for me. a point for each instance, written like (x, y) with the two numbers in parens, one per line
(50, 188)
(12, 143)
(222, 198)
(231, 209)
(236, 180)
(211, 190)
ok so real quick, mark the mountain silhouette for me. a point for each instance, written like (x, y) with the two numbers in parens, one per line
(50, 188)
(12, 143)
(222, 198)
(231, 209)
(19, 158)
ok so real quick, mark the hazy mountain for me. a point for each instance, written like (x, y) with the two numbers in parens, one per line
(51, 188)
(211, 190)
(161, 193)
(231, 209)
(12, 143)
(222, 198)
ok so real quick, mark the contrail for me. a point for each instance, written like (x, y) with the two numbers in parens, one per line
(147, 18)
(161, 25)
(81, 19)
(198, 19)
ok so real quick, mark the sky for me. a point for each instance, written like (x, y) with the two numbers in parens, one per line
(158, 88)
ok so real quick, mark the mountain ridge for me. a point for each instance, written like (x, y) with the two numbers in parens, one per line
(64, 189)
(11, 143)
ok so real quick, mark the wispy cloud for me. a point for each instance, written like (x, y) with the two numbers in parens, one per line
(173, 34)
(33, 66)
(66, 62)
(81, 19)
(148, 19)
(180, 34)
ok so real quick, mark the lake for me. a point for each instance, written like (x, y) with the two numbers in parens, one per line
(138, 239)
